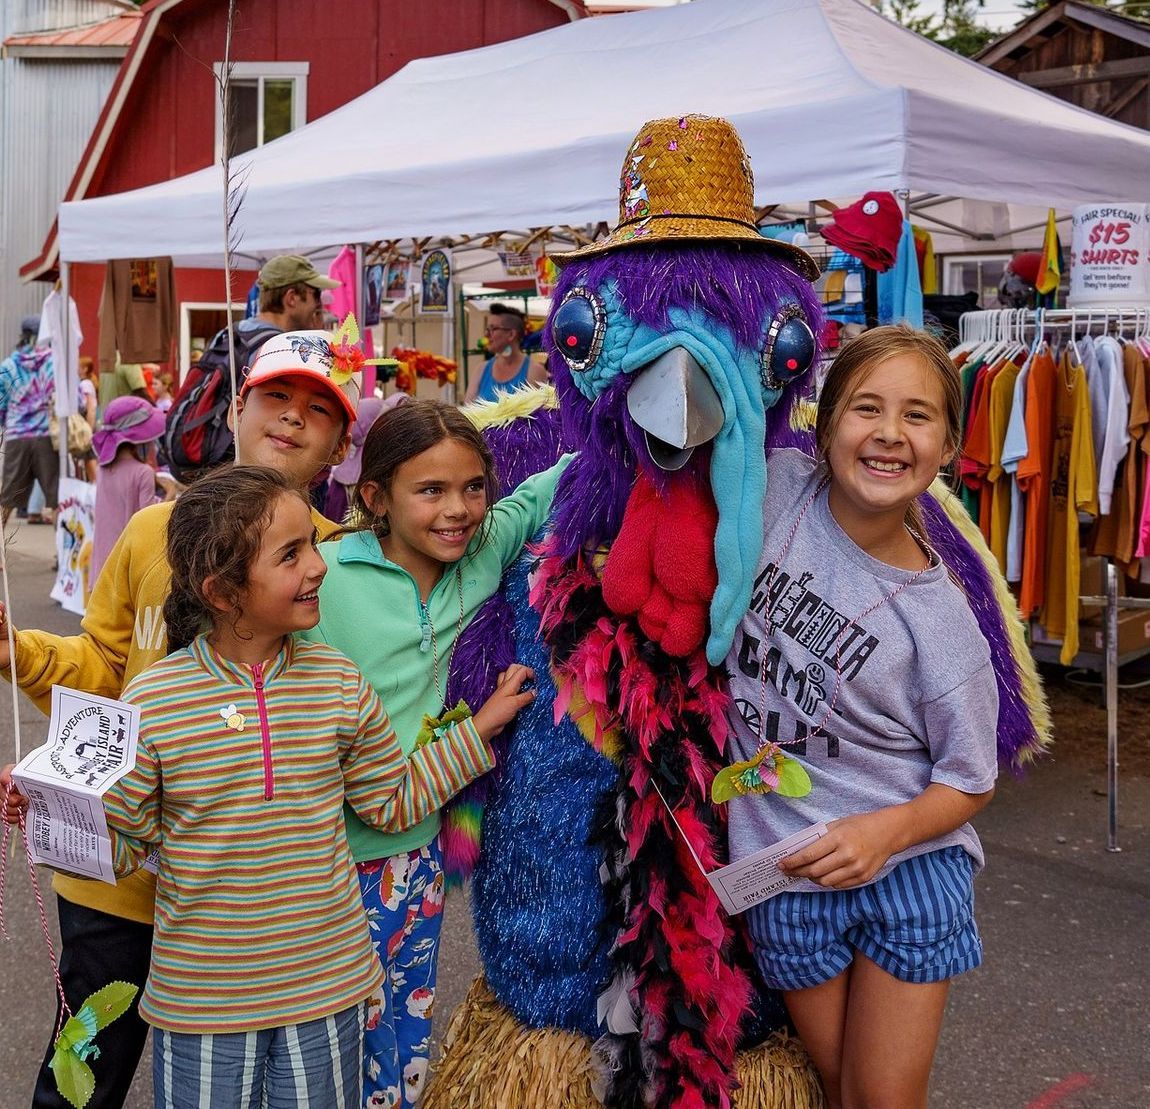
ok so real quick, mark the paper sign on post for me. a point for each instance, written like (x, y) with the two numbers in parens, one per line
(753, 879)
(91, 745)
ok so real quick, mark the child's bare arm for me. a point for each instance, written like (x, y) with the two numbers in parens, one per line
(857, 847)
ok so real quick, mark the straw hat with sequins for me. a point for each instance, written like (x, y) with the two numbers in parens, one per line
(688, 178)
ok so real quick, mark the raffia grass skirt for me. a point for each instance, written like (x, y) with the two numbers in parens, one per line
(491, 1061)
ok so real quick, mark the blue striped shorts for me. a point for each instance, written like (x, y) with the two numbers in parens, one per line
(917, 923)
(318, 1064)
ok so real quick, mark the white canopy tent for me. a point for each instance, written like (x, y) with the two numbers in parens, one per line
(831, 99)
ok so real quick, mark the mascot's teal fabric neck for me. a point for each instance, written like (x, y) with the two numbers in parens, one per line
(738, 458)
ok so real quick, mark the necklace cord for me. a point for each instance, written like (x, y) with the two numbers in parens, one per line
(440, 690)
(65, 1011)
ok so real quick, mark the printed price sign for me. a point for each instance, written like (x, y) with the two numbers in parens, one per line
(1109, 263)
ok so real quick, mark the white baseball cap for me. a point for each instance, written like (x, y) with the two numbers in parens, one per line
(306, 354)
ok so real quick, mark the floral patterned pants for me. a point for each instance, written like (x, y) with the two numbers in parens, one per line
(403, 897)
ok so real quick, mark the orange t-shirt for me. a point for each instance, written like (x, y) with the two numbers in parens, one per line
(1034, 479)
(1073, 489)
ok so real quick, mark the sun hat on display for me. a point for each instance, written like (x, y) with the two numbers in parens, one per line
(128, 419)
(688, 178)
(305, 354)
(869, 229)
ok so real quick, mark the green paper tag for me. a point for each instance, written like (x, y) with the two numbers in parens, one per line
(434, 726)
(76, 1042)
(794, 781)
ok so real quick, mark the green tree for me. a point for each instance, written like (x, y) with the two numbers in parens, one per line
(957, 28)
(1138, 9)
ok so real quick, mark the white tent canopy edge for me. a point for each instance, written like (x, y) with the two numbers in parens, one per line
(831, 99)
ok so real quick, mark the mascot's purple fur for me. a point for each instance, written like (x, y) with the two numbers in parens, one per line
(681, 348)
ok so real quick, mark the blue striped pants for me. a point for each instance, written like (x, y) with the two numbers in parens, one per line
(316, 1065)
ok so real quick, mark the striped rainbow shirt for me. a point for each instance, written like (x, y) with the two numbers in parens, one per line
(240, 777)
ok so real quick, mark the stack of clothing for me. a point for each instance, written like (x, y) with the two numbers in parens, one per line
(869, 229)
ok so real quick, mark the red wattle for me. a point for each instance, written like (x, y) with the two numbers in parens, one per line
(661, 566)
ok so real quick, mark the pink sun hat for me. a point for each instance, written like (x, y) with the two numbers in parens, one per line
(126, 420)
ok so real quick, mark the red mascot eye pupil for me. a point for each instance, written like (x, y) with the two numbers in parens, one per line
(792, 363)
(572, 340)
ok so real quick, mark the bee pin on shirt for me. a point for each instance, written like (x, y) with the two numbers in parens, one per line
(233, 718)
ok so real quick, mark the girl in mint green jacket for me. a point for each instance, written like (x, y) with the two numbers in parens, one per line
(396, 597)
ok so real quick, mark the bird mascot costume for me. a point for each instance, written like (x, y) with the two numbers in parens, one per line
(682, 346)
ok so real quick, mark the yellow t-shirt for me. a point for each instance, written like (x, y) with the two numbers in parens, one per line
(1073, 489)
(998, 480)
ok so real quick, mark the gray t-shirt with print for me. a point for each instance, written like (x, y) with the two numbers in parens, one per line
(916, 703)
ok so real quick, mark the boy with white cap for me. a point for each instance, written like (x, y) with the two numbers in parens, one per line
(295, 409)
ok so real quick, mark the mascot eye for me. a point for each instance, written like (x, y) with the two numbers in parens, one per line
(577, 328)
(790, 348)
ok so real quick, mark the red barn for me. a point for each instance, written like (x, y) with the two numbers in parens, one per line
(295, 60)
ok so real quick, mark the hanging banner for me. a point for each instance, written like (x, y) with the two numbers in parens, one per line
(397, 279)
(372, 294)
(1110, 255)
(546, 275)
(517, 260)
(435, 283)
(75, 526)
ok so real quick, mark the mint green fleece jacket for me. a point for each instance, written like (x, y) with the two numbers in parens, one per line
(370, 610)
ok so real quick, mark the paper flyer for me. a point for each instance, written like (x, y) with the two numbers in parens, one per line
(757, 877)
(91, 745)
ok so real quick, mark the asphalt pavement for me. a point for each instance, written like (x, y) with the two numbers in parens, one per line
(1056, 1018)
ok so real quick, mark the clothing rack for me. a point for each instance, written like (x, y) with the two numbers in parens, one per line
(1024, 325)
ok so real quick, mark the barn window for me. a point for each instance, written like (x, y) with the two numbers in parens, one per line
(268, 99)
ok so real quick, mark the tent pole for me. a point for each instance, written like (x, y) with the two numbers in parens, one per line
(63, 401)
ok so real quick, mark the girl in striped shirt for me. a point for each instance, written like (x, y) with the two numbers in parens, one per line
(250, 741)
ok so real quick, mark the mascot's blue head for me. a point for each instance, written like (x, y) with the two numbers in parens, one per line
(670, 342)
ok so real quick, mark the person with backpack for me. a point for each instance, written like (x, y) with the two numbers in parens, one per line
(197, 437)
(292, 418)
(27, 393)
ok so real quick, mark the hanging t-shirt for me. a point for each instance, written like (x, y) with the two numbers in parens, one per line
(1138, 427)
(137, 311)
(975, 460)
(1097, 386)
(342, 302)
(998, 481)
(1115, 416)
(53, 332)
(1116, 534)
(1013, 452)
(1073, 489)
(1034, 479)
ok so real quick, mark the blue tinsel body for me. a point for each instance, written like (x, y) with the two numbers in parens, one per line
(537, 900)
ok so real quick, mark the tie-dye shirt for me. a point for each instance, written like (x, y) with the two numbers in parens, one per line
(27, 392)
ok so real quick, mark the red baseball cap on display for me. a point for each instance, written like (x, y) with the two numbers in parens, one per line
(869, 229)
(306, 354)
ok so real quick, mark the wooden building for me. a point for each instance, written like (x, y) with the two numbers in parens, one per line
(1084, 54)
(295, 60)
